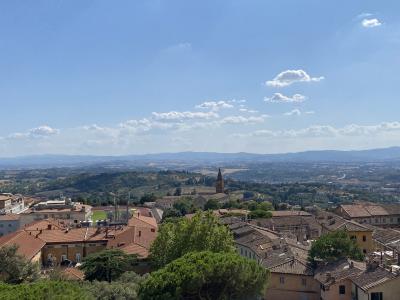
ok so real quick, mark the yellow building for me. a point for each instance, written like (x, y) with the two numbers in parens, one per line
(361, 234)
(376, 283)
(293, 280)
(335, 279)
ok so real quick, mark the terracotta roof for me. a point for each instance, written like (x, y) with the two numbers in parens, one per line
(336, 272)
(334, 222)
(371, 278)
(360, 210)
(289, 213)
(73, 274)
(28, 245)
(133, 248)
(293, 266)
(143, 221)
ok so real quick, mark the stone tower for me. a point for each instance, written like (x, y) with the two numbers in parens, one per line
(220, 183)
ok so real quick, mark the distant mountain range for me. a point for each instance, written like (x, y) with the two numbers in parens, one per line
(373, 155)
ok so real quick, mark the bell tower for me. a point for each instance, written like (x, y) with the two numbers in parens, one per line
(219, 186)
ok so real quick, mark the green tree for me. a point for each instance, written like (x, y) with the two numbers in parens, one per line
(45, 289)
(265, 206)
(107, 265)
(334, 246)
(125, 288)
(148, 198)
(206, 275)
(200, 233)
(211, 204)
(184, 205)
(258, 214)
(15, 268)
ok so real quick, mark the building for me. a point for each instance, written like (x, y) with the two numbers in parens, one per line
(360, 233)
(219, 186)
(63, 209)
(11, 204)
(9, 223)
(299, 224)
(52, 242)
(373, 214)
(29, 245)
(290, 275)
(376, 283)
(335, 279)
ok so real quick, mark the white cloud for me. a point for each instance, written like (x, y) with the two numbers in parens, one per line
(294, 112)
(370, 23)
(280, 98)
(351, 130)
(289, 77)
(243, 120)
(247, 110)
(176, 115)
(214, 105)
(37, 132)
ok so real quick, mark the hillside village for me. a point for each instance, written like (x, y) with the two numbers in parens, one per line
(62, 233)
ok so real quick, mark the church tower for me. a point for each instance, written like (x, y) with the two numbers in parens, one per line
(220, 183)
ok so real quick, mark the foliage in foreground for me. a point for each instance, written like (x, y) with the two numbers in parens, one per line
(201, 233)
(48, 290)
(334, 246)
(15, 268)
(107, 265)
(206, 275)
(125, 288)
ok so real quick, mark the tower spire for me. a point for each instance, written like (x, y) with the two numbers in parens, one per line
(219, 186)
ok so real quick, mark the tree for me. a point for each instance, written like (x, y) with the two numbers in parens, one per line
(184, 205)
(265, 206)
(107, 265)
(148, 198)
(15, 268)
(258, 214)
(211, 204)
(45, 289)
(334, 246)
(206, 275)
(171, 213)
(178, 191)
(200, 233)
(125, 288)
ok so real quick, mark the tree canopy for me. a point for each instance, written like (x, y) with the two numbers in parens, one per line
(334, 246)
(206, 275)
(107, 265)
(44, 290)
(202, 232)
(15, 268)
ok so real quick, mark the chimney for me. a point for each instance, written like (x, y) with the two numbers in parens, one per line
(49, 226)
(351, 264)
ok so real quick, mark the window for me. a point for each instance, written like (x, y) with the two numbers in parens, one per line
(353, 237)
(365, 251)
(364, 238)
(303, 282)
(377, 296)
(282, 280)
(63, 257)
(342, 289)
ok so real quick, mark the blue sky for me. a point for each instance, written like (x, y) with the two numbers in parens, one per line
(121, 77)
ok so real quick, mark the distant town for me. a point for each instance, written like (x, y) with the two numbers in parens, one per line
(288, 241)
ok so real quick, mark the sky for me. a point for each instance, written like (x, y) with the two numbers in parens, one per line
(149, 76)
